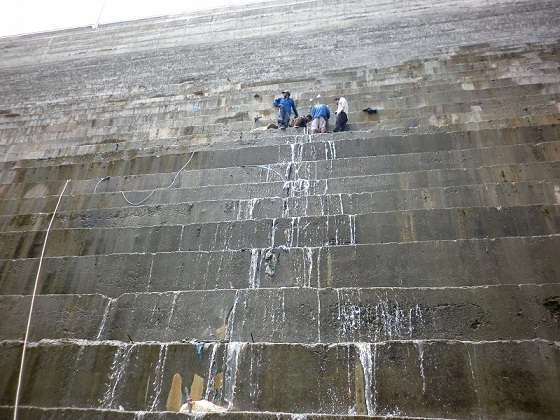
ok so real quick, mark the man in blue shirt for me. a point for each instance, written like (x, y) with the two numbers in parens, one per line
(285, 106)
(320, 114)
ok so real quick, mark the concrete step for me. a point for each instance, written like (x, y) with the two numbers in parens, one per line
(113, 149)
(343, 145)
(292, 315)
(53, 413)
(317, 165)
(360, 80)
(455, 263)
(346, 144)
(99, 213)
(345, 379)
(455, 98)
(419, 74)
(311, 231)
(166, 119)
(530, 78)
(117, 110)
(178, 105)
(42, 197)
(382, 124)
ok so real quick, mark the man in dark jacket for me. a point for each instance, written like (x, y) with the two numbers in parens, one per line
(341, 114)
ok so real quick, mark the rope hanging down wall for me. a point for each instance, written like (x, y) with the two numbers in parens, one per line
(33, 300)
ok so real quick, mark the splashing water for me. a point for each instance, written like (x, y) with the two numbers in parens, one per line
(233, 352)
(330, 150)
(173, 305)
(385, 320)
(307, 263)
(352, 224)
(246, 212)
(366, 360)
(211, 383)
(318, 316)
(419, 344)
(254, 278)
(118, 367)
(158, 380)
(273, 232)
(104, 319)
(231, 317)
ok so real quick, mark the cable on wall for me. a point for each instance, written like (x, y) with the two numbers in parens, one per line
(33, 300)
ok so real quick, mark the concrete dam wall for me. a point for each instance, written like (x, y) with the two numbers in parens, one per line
(159, 243)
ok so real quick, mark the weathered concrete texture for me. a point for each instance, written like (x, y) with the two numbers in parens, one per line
(407, 268)
(478, 262)
(78, 317)
(347, 144)
(274, 149)
(33, 413)
(435, 378)
(295, 315)
(391, 33)
(482, 195)
(499, 185)
(317, 231)
(317, 166)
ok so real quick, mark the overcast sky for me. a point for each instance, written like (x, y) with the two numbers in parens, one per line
(30, 16)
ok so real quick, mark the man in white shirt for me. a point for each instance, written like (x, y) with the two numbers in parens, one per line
(341, 114)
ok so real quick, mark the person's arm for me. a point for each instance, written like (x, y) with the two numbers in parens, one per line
(276, 103)
(294, 108)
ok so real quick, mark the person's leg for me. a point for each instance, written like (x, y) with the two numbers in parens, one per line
(315, 126)
(343, 121)
(338, 123)
(283, 118)
(322, 124)
(286, 121)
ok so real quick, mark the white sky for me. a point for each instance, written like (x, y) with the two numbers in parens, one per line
(30, 16)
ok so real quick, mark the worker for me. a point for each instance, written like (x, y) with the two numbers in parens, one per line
(285, 105)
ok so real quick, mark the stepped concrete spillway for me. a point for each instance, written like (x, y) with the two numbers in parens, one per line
(406, 268)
